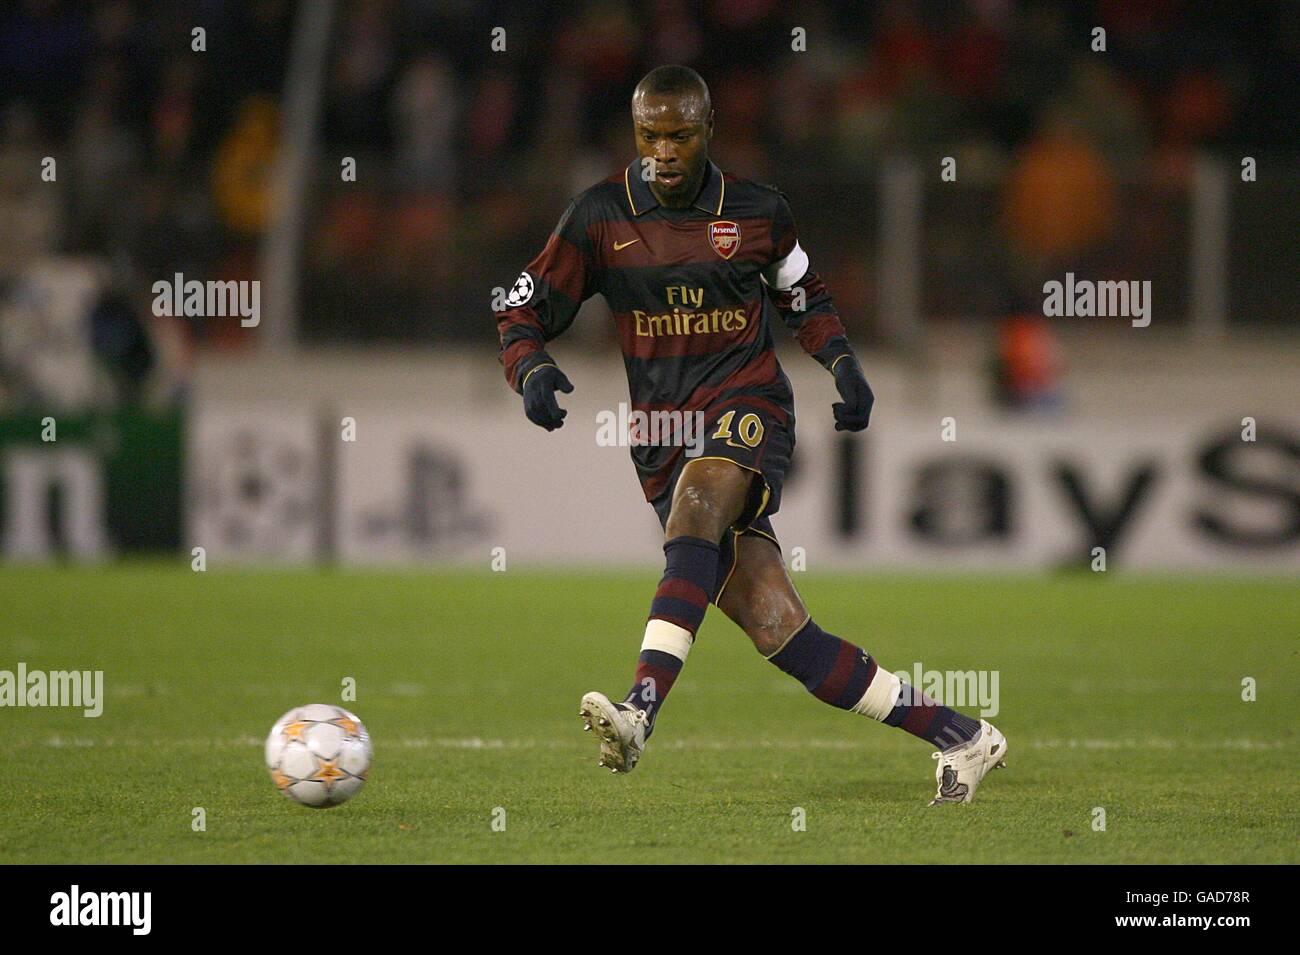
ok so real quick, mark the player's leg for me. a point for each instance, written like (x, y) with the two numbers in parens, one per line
(762, 600)
(760, 597)
(710, 495)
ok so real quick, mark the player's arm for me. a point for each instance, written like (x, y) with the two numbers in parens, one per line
(800, 296)
(540, 306)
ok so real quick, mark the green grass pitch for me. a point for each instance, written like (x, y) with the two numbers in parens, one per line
(1118, 693)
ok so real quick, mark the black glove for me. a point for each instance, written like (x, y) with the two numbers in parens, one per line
(539, 396)
(853, 413)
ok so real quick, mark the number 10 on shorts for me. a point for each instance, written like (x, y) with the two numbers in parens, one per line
(749, 429)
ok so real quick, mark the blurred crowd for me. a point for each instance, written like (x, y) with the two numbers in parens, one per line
(466, 154)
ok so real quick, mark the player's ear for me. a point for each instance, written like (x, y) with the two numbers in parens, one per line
(708, 126)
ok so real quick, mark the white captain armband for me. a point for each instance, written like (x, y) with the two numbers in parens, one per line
(782, 275)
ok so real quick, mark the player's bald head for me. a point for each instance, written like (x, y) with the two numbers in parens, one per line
(672, 122)
(667, 85)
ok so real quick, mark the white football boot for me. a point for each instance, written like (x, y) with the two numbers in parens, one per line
(962, 767)
(621, 730)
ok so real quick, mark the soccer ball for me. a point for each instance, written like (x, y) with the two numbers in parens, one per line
(318, 755)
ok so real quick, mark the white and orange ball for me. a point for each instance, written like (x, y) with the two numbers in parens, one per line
(318, 755)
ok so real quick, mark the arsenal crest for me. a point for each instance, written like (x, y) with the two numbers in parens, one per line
(725, 237)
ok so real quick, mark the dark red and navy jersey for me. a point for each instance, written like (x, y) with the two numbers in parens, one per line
(692, 291)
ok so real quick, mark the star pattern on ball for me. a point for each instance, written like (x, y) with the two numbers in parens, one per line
(328, 772)
(322, 744)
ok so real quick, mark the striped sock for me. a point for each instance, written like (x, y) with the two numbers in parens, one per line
(675, 615)
(831, 669)
(838, 673)
(656, 672)
(687, 584)
(923, 717)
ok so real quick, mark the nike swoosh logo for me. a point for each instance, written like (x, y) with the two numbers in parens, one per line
(618, 246)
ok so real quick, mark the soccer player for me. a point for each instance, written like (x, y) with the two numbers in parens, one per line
(694, 263)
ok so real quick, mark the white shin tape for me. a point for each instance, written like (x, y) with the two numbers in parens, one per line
(881, 696)
(667, 638)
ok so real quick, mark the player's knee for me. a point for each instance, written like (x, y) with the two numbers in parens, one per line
(706, 503)
(769, 621)
(766, 639)
(697, 512)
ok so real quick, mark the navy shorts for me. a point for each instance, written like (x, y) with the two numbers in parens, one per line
(758, 435)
